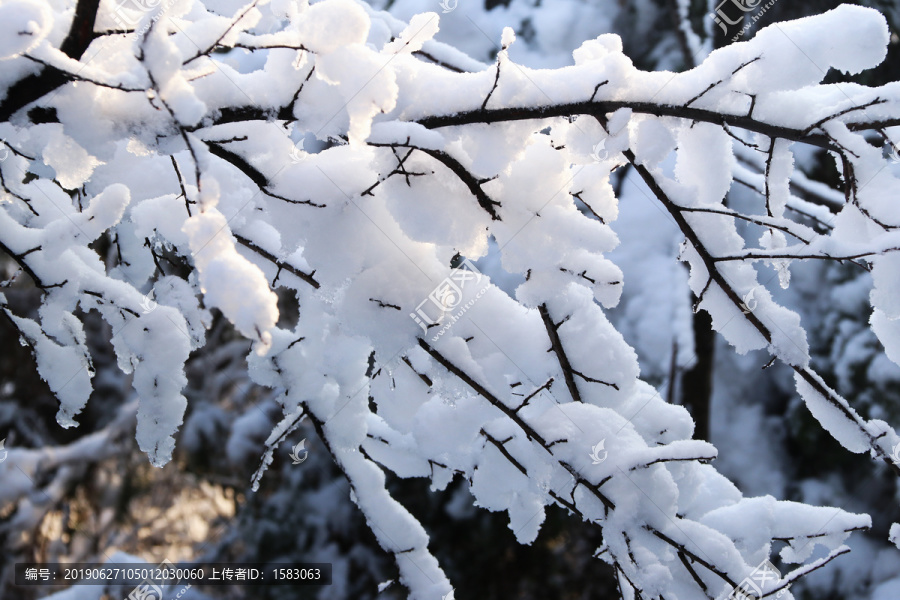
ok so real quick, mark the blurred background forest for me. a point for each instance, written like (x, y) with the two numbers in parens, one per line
(200, 506)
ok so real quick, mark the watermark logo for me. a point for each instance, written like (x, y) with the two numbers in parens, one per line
(751, 587)
(721, 17)
(449, 6)
(296, 450)
(893, 154)
(447, 297)
(749, 302)
(148, 590)
(3, 452)
(596, 456)
(148, 304)
(127, 13)
(895, 455)
(599, 153)
(297, 152)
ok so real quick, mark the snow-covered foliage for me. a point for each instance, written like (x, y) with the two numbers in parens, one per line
(348, 157)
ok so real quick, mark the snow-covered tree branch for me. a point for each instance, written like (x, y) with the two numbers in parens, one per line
(165, 165)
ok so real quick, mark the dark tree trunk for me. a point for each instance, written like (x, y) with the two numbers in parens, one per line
(696, 383)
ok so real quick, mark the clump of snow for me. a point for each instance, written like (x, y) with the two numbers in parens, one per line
(66, 369)
(332, 24)
(831, 416)
(23, 25)
(72, 163)
(230, 282)
(421, 28)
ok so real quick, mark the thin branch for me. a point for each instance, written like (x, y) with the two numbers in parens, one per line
(212, 46)
(770, 223)
(494, 87)
(422, 376)
(70, 76)
(599, 109)
(824, 120)
(713, 85)
(20, 260)
(494, 400)
(690, 569)
(773, 255)
(471, 182)
(307, 277)
(187, 202)
(438, 62)
(546, 386)
(691, 554)
(568, 371)
(252, 173)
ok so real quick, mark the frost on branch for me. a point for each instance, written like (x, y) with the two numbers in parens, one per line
(356, 162)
